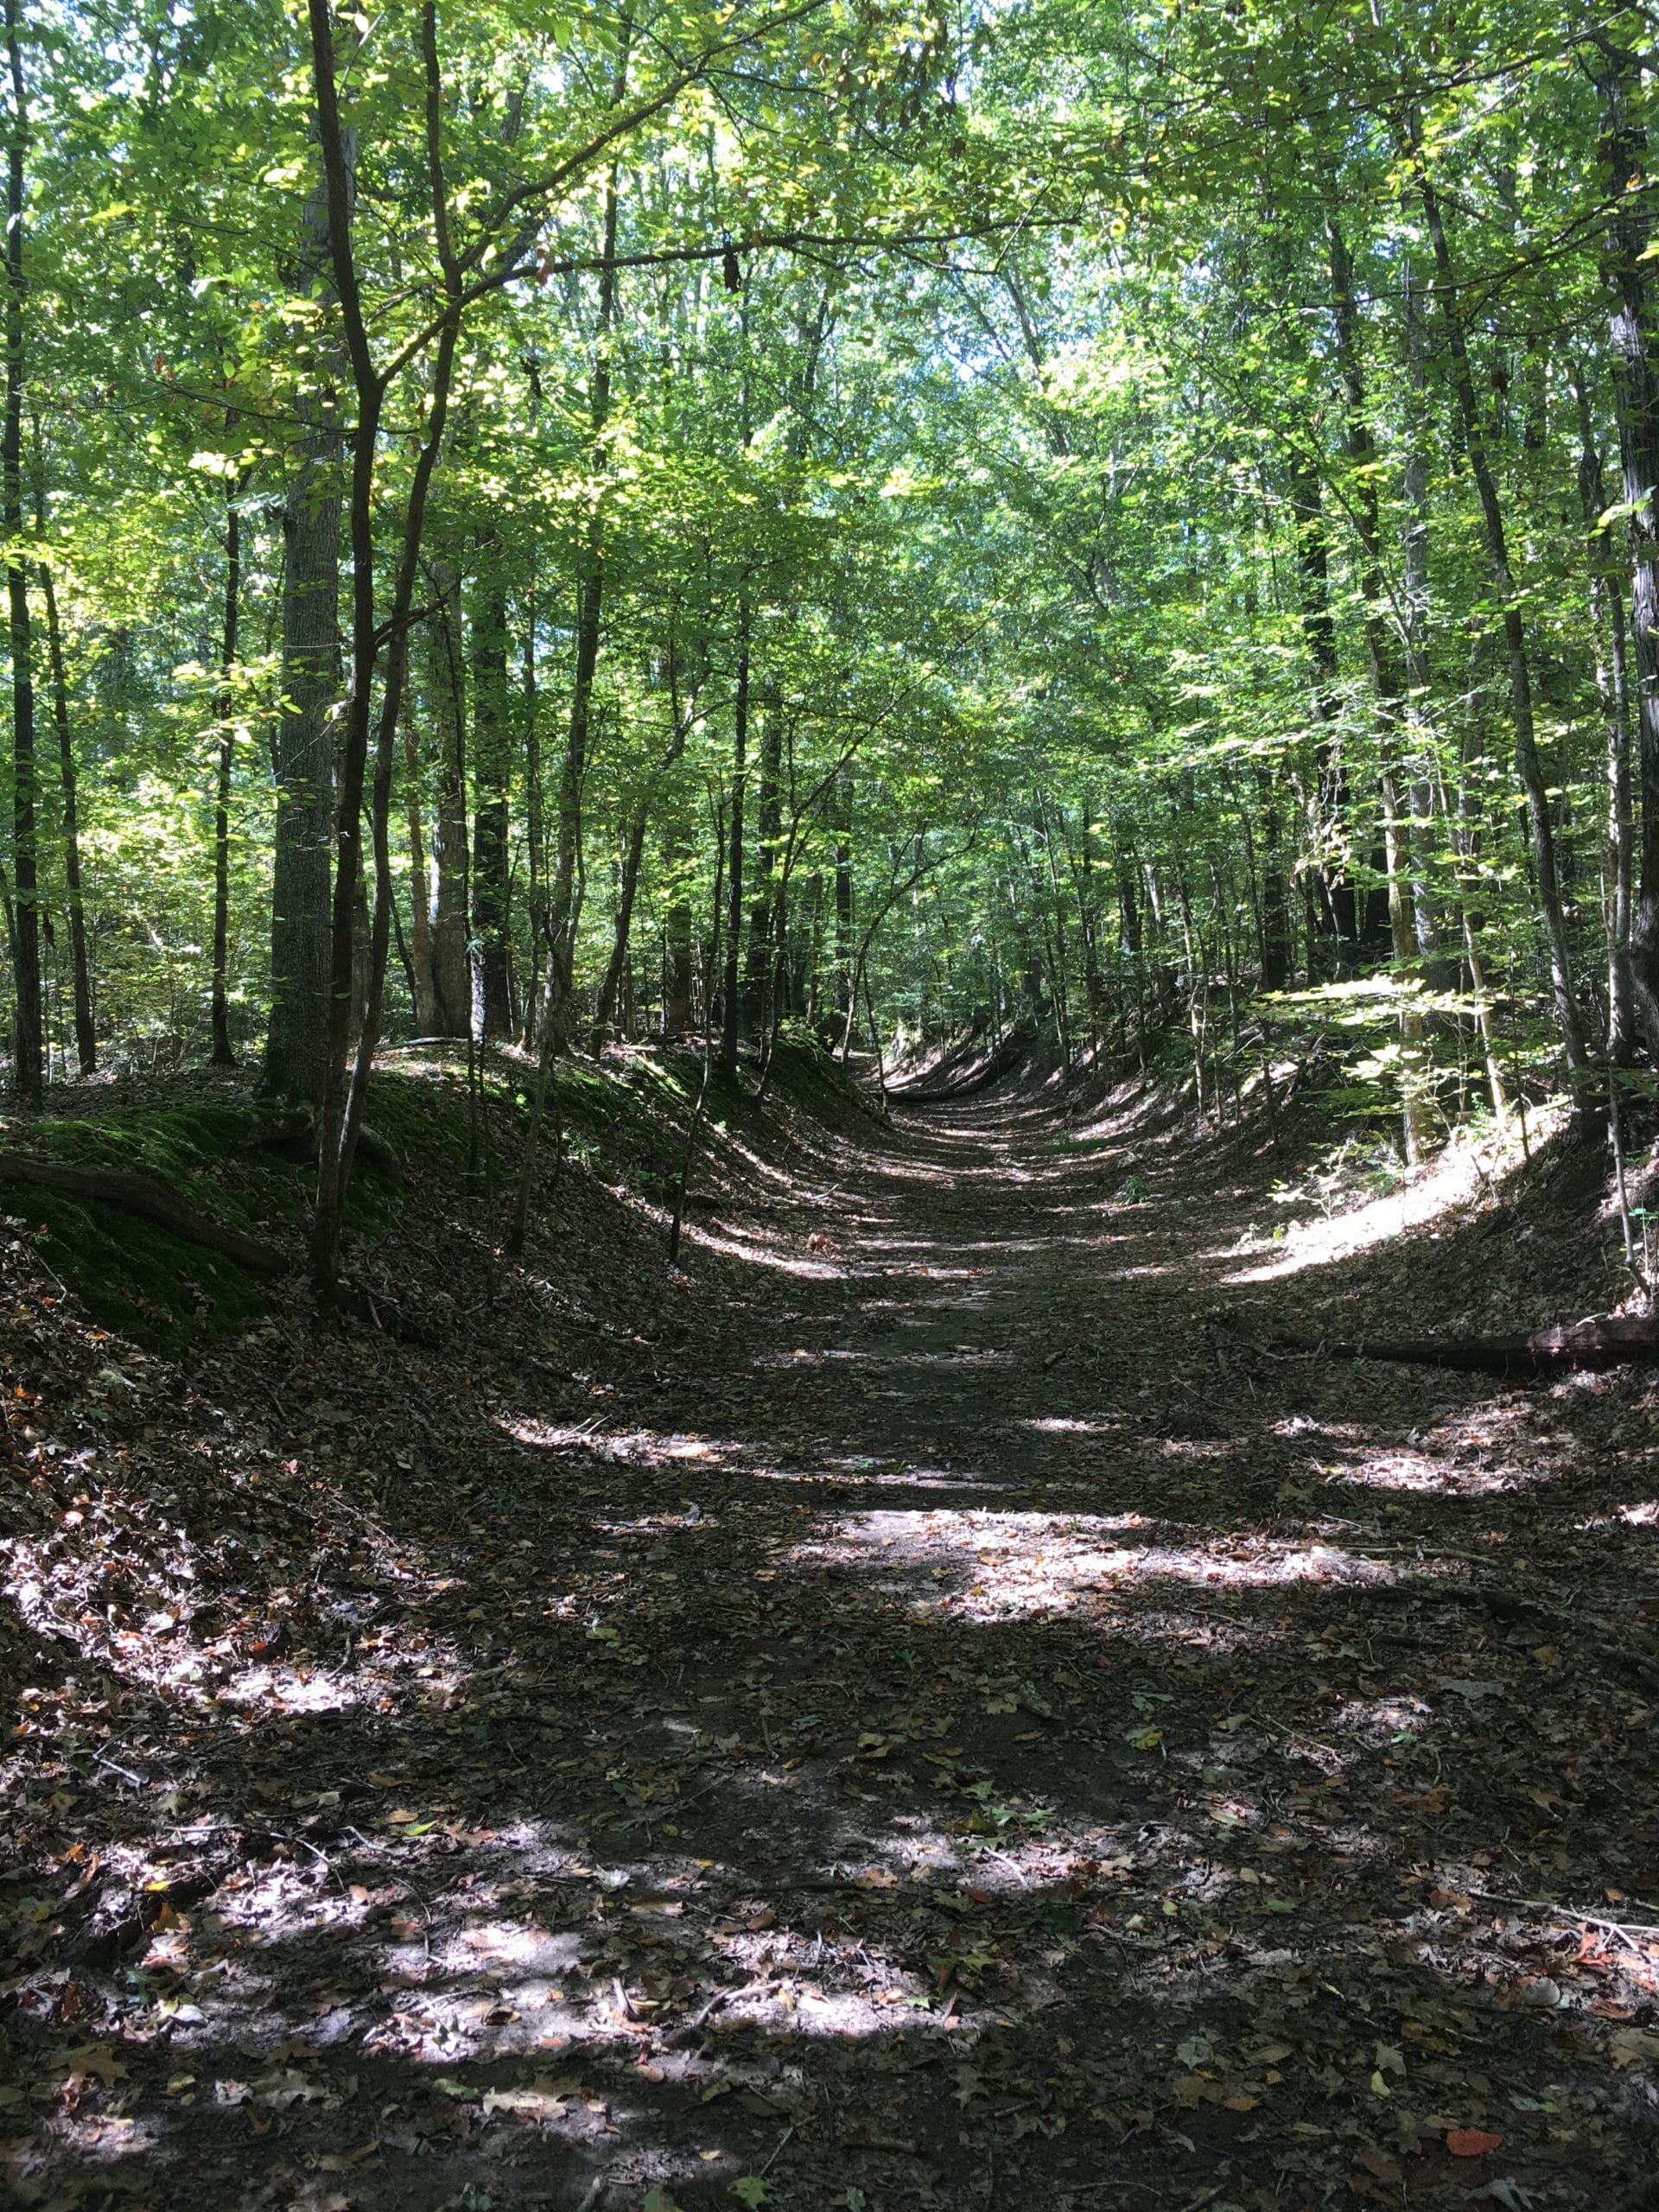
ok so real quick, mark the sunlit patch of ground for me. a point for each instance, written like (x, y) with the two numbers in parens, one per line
(1014, 1563)
(1461, 1176)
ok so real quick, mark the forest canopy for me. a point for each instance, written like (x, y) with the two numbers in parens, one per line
(541, 526)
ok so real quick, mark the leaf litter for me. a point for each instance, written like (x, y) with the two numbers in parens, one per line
(671, 1741)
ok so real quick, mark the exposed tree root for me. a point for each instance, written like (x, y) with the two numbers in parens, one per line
(151, 1201)
(293, 1136)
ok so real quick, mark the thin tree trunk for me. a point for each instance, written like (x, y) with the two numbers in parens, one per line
(1387, 691)
(627, 887)
(678, 1011)
(1612, 688)
(29, 1038)
(451, 976)
(762, 948)
(1635, 386)
(224, 1050)
(535, 828)
(590, 611)
(492, 771)
(844, 896)
(731, 1011)
(422, 989)
(346, 1091)
(1527, 763)
(85, 1035)
(1276, 950)
(1341, 910)
(304, 741)
(1427, 923)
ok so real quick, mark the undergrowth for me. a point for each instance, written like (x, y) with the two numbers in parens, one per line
(622, 1122)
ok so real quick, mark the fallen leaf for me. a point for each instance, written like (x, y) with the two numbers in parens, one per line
(1471, 2142)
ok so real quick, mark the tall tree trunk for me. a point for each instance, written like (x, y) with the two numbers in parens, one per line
(1635, 386)
(304, 744)
(844, 897)
(762, 949)
(731, 1009)
(28, 1038)
(491, 774)
(346, 1087)
(423, 986)
(224, 1050)
(1387, 688)
(562, 902)
(1422, 737)
(535, 827)
(1527, 762)
(1612, 688)
(627, 887)
(1276, 951)
(1341, 911)
(85, 1035)
(452, 989)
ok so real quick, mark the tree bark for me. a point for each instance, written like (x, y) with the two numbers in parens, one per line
(1387, 690)
(1635, 388)
(305, 744)
(224, 1052)
(491, 775)
(85, 1033)
(731, 1009)
(452, 997)
(1341, 912)
(29, 1038)
(1527, 763)
(1612, 688)
(563, 898)
(342, 1123)
(421, 985)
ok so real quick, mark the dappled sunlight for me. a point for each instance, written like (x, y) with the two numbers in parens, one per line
(993, 1565)
(1461, 1176)
(739, 1755)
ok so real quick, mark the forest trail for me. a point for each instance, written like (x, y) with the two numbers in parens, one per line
(934, 1718)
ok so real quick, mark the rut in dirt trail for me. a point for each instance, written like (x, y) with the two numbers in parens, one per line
(935, 1716)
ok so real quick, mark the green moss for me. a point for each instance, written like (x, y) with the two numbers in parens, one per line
(131, 1275)
(136, 1279)
(423, 1117)
(185, 1147)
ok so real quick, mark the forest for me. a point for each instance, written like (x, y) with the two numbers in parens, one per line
(830, 1196)
(567, 528)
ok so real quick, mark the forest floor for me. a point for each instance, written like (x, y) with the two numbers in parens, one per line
(920, 1707)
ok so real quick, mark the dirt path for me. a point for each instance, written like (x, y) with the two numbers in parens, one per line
(938, 1718)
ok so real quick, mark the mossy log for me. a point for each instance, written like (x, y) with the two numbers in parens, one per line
(1604, 1340)
(151, 1200)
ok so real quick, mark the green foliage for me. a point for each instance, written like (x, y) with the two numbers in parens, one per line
(1045, 423)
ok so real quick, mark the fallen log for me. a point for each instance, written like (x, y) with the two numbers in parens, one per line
(1604, 1340)
(151, 1201)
